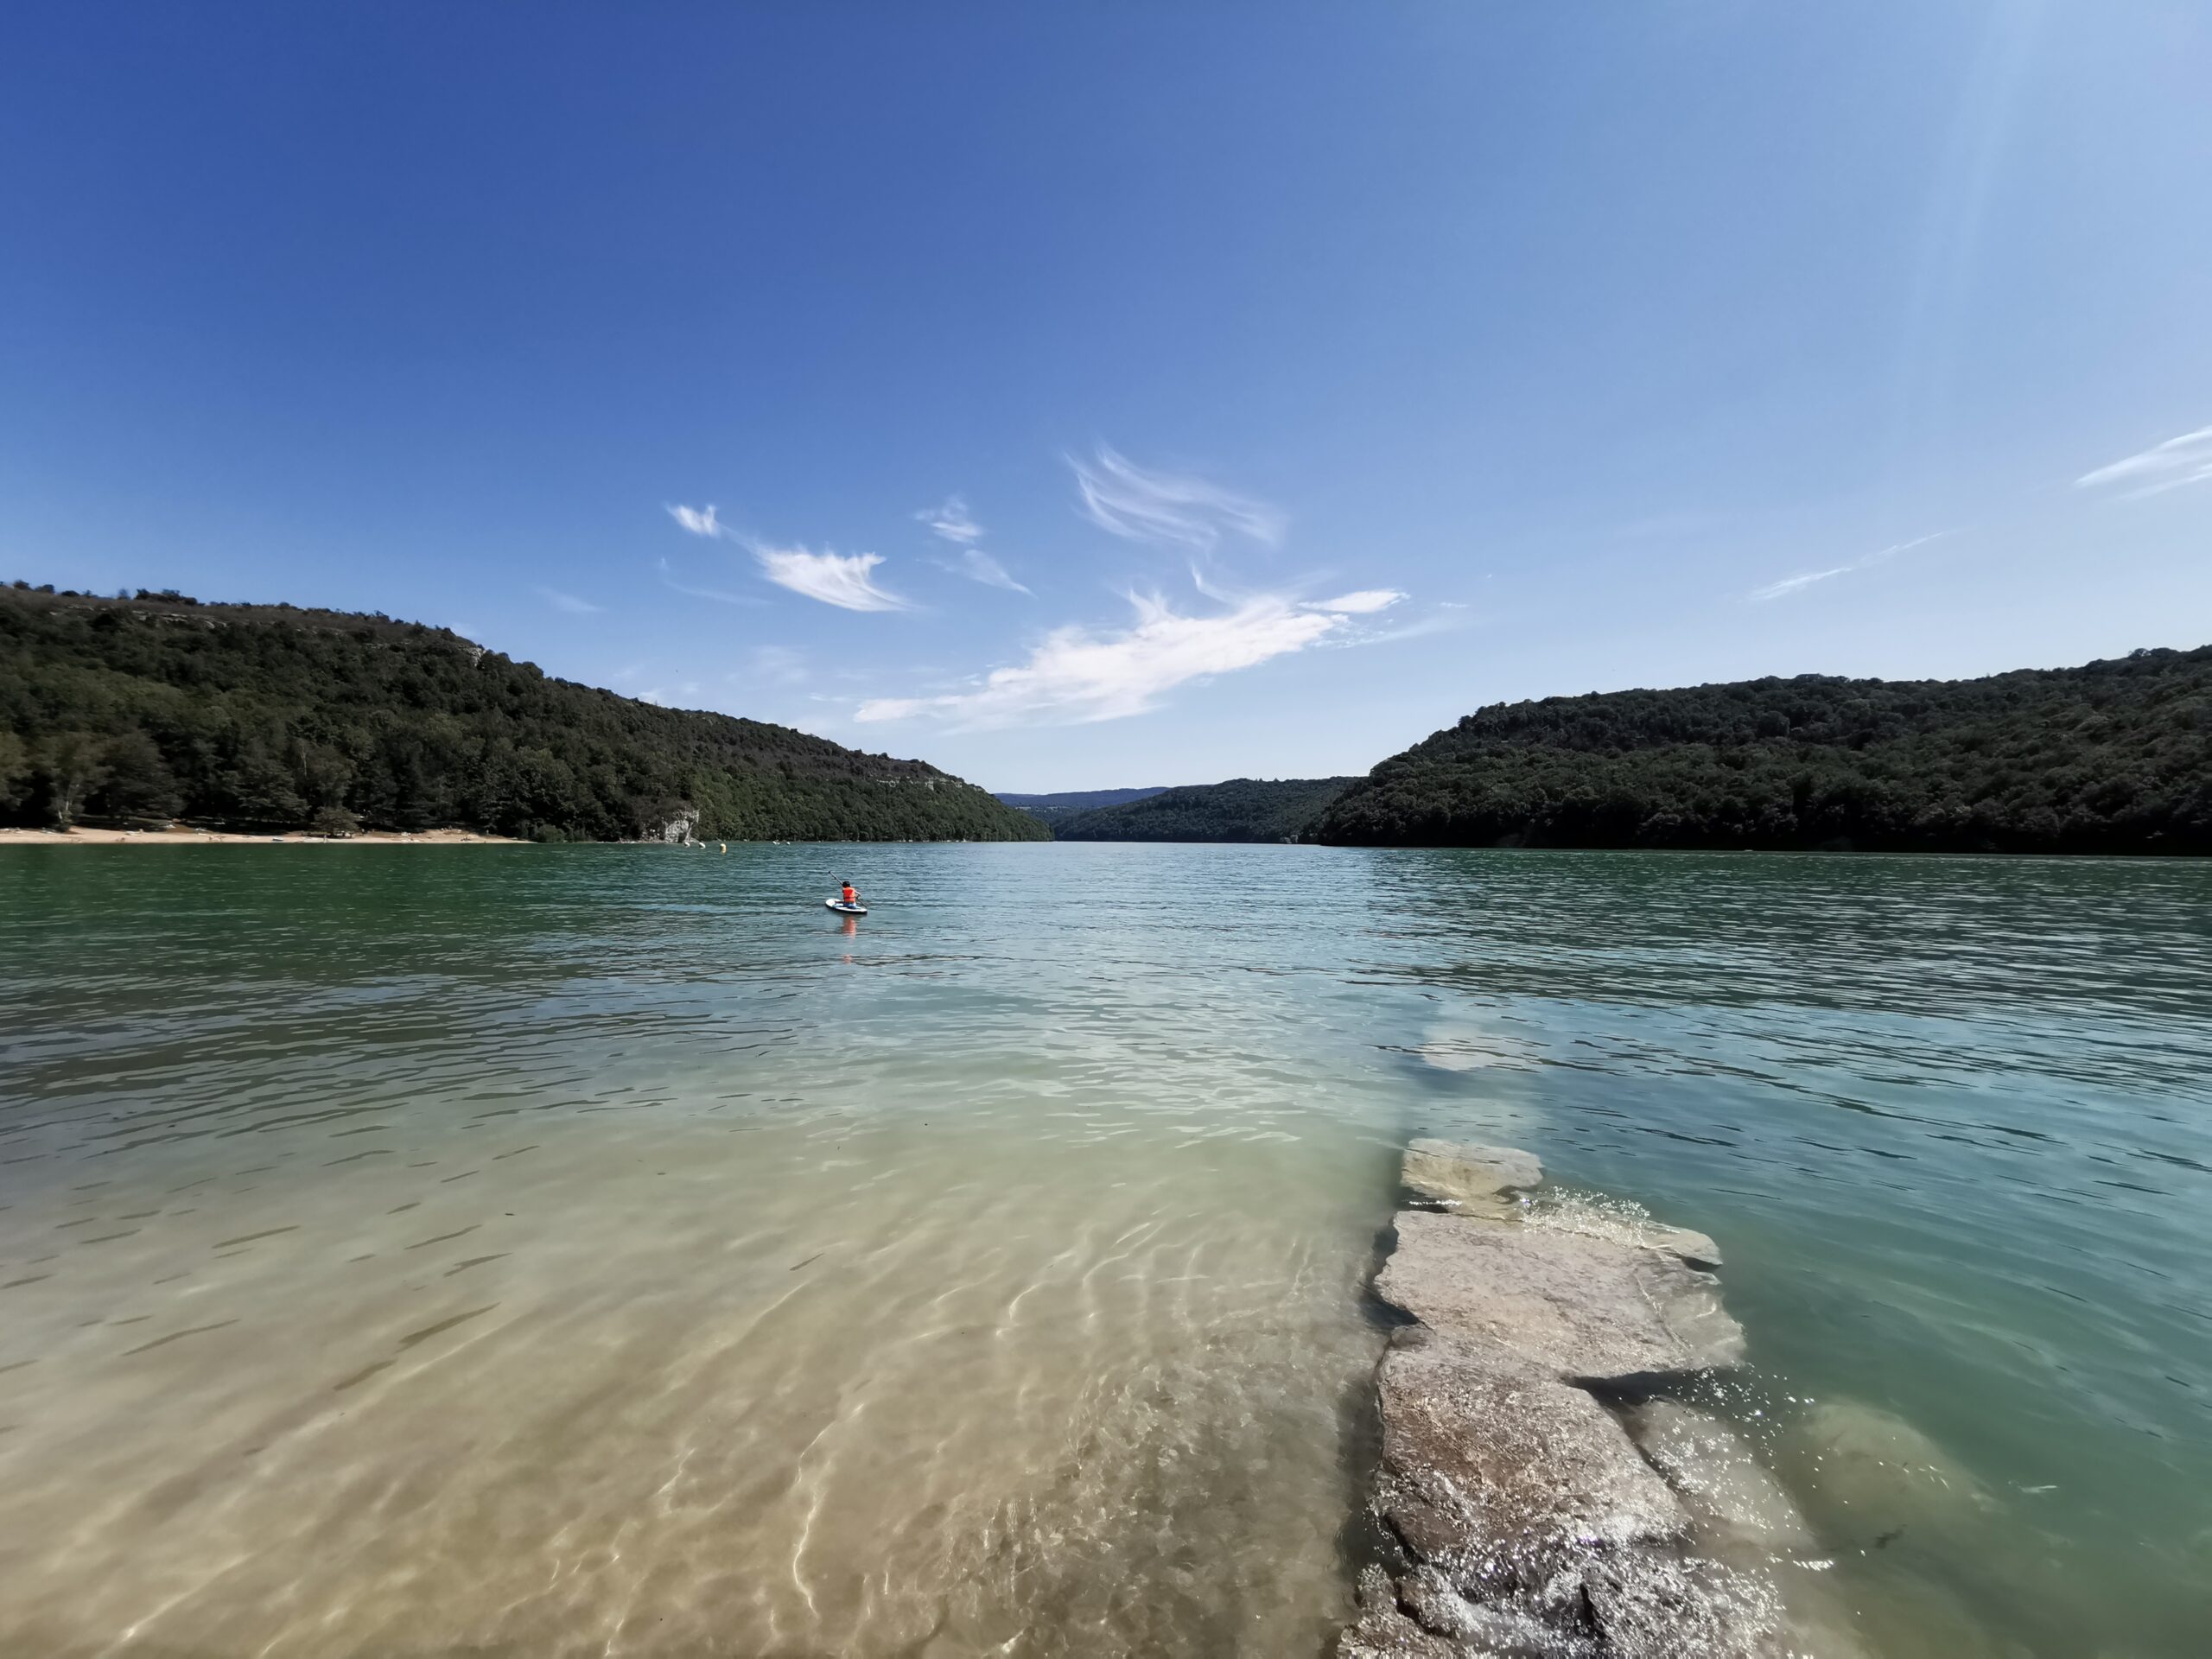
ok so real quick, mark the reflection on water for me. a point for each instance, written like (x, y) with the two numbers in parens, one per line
(434, 1250)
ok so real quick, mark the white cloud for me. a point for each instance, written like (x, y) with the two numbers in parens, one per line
(2168, 465)
(979, 566)
(1365, 602)
(952, 522)
(698, 521)
(668, 580)
(1789, 585)
(568, 603)
(1166, 510)
(840, 579)
(1077, 675)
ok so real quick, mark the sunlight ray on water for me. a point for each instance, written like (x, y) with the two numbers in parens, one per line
(541, 1250)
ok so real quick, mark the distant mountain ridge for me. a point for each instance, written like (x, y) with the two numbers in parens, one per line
(272, 717)
(1241, 809)
(1052, 808)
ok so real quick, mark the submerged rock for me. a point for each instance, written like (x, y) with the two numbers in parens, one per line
(1495, 1632)
(1499, 1475)
(1694, 1248)
(1382, 1631)
(1586, 1308)
(1652, 1604)
(1620, 1220)
(1713, 1470)
(1874, 1479)
(1535, 1528)
(1473, 1180)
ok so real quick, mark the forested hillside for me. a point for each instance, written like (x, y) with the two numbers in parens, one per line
(271, 717)
(1243, 809)
(2116, 757)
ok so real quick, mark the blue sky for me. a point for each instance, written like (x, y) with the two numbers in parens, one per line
(1101, 395)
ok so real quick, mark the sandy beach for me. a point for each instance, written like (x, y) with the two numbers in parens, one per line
(182, 836)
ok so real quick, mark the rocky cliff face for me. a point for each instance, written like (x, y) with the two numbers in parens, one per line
(679, 827)
(1547, 1496)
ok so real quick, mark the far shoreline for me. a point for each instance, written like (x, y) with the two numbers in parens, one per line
(185, 836)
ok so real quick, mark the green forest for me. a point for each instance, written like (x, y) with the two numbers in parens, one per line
(2114, 757)
(1243, 809)
(263, 716)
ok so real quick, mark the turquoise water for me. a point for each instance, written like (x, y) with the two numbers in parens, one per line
(416, 1249)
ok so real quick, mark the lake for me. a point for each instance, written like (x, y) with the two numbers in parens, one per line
(530, 1251)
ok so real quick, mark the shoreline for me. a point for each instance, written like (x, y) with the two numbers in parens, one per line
(189, 837)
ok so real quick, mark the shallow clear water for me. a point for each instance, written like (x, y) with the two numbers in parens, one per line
(411, 1250)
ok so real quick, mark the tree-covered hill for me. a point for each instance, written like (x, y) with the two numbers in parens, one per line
(2116, 757)
(1243, 809)
(269, 717)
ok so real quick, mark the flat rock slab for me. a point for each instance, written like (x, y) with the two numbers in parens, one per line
(1474, 1180)
(1383, 1633)
(1713, 1470)
(1695, 1247)
(1500, 1475)
(1589, 1309)
(1663, 1605)
(1493, 1632)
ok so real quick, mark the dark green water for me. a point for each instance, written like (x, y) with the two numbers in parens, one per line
(544, 1251)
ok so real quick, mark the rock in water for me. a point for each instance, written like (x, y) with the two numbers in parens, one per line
(1871, 1476)
(1533, 1525)
(1586, 1308)
(1501, 1476)
(1470, 1179)
(1624, 1223)
(1653, 1605)
(1493, 1632)
(1383, 1633)
(1697, 1248)
(1720, 1479)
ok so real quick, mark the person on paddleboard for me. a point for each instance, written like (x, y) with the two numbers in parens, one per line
(848, 897)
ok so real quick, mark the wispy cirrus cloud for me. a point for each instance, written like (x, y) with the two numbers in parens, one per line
(669, 580)
(951, 521)
(1789, 585)
(979, 566)
(568, 603)
(1168, 509)
(1365, 602)
(2168, 465)
(840, 579)
(1076, 676)
(700, 521)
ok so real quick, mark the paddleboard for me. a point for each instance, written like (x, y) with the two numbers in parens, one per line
(844, 909)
